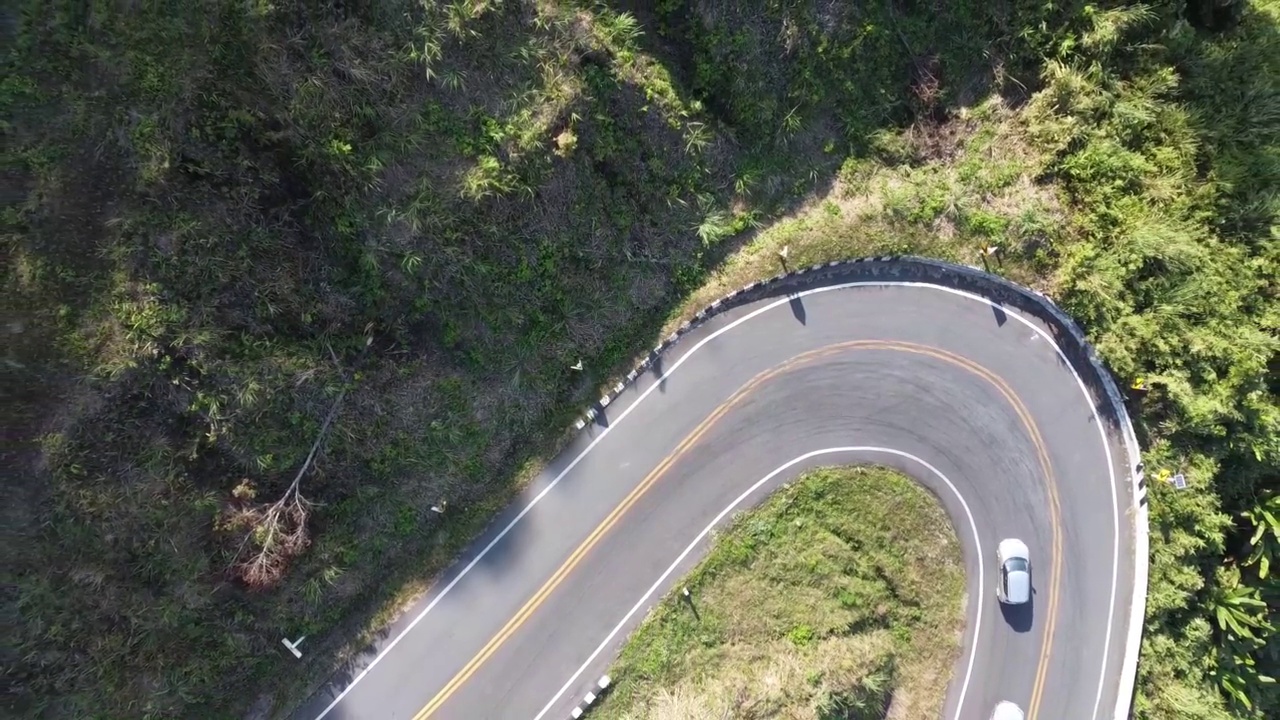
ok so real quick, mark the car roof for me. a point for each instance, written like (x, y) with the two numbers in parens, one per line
(1006, 710)
(1013, 547)
(1019, 586)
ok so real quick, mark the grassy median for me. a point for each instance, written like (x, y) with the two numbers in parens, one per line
(841, 596)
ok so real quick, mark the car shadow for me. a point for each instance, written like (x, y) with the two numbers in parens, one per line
(1019, 617)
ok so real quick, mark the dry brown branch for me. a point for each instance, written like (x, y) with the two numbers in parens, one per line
(276, 533)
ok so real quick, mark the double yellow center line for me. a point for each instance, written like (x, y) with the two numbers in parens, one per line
(689, 441)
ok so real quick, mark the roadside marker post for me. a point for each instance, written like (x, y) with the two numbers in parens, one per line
(688, 598)
(293, 646)
(990, 250)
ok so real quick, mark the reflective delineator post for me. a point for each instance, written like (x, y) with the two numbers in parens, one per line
(293, 646)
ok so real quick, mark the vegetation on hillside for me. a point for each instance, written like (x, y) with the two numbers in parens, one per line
(228, 222)
(1171, 153)
(841, 595)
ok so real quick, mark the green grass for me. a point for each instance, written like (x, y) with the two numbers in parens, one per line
(842, 594)
(219, 204)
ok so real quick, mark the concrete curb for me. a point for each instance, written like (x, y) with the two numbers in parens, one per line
(1071, 339)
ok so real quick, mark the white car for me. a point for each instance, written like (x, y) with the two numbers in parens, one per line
(1014, 587)
(1006, 710)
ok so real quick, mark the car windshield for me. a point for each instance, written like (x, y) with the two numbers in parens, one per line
(1016, 565)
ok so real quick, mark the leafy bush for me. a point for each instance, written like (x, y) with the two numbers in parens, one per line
(1170, 153)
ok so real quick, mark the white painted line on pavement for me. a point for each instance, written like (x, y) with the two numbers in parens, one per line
(1111, 471)
(671, 370)
(981, 561)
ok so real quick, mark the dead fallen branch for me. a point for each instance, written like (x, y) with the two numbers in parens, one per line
(275, 533)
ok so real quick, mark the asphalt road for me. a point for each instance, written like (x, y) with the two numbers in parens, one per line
(965, 396)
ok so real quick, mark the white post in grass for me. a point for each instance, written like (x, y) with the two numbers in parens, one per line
(293, 646)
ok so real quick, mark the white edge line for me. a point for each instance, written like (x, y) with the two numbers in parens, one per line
(982, 582)
(1133, 451)
(1115, 507)
(666, 374)
(537, 498)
